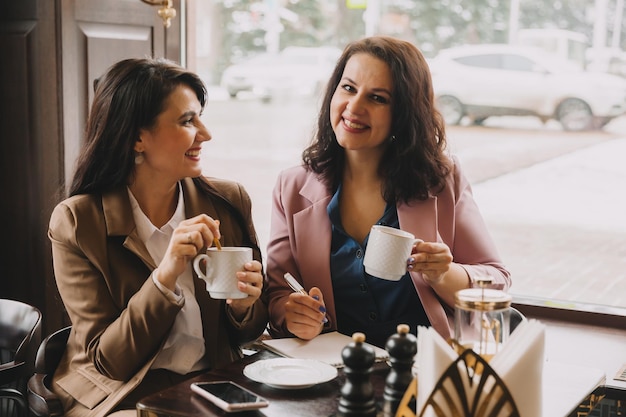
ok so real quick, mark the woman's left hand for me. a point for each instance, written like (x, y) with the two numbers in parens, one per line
(250, 282)
(432, 259)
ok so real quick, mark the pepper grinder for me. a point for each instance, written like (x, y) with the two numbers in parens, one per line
(357, 393)
(402, 348)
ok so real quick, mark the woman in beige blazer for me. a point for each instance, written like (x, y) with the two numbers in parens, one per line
(138, 212)
(378, 157)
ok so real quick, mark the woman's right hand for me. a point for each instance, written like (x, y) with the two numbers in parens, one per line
(305, 315)
(188, 238)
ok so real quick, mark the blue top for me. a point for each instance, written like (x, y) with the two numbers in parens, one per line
(363, 302)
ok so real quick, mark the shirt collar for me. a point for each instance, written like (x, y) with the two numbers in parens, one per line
(145, 228)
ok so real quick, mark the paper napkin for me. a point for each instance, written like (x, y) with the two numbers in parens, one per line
(519, 365)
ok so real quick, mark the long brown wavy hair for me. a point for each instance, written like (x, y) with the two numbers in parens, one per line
(128, 97)
(414, 165)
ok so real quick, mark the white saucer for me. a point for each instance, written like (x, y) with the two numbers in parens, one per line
(289, 373)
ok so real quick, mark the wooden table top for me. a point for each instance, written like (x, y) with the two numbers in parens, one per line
(323, 399)
(316, 401)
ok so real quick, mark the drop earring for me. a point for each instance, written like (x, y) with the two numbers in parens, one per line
(138, 158)
(392, 138)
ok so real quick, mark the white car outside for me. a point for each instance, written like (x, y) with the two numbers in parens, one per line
(298, 71)
(481, 81)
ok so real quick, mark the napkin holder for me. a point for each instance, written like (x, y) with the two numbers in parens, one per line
(468, 388)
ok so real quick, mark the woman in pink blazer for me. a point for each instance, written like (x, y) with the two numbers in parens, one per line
(378, 157)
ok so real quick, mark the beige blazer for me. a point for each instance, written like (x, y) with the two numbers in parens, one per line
(300, 241)
(119, 317)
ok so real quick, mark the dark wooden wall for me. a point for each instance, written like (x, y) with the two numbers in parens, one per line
(50, 53)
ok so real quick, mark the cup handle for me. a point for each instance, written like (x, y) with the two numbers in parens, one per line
(415, 241)
(196, 267)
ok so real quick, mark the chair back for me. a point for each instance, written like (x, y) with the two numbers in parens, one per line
(20, 335)
(51, 351)
(42, 401)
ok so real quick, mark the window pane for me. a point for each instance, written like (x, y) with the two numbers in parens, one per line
(542, 143)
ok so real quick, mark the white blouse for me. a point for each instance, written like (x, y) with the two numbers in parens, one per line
(184, 348)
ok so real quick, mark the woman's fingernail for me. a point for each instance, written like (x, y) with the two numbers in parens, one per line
(411, 260)
(316, 297)
(323, 309)
(325, 320)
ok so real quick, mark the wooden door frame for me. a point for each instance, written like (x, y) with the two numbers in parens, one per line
(41, 122)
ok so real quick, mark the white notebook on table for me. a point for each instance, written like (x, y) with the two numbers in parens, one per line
(326, 347)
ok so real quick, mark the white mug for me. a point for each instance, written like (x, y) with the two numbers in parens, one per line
(387, 252)
(222, 266)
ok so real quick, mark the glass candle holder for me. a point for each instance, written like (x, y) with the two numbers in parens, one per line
(482, 320)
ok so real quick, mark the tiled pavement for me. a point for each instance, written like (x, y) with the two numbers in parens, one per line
(561, 225)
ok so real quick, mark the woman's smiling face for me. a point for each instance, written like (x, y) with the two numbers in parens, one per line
(172, 147)
(360, 109)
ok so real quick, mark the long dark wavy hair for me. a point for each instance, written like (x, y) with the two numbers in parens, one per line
(414, 165)
(128, 97)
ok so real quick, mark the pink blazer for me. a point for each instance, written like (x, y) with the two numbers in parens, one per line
(300, 240)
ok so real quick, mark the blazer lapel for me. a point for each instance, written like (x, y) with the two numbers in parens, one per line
(118, 216)
(196, 204)
(313, 235)
(420, 218)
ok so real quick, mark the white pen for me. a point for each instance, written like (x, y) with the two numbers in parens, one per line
(296, 287)
(294, 284)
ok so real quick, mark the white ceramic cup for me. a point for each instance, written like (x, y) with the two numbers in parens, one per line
(221, 270)
(387, 252)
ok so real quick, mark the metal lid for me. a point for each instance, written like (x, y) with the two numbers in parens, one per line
(482, 299)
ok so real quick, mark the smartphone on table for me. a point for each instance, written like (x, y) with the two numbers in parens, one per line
(229, 396)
